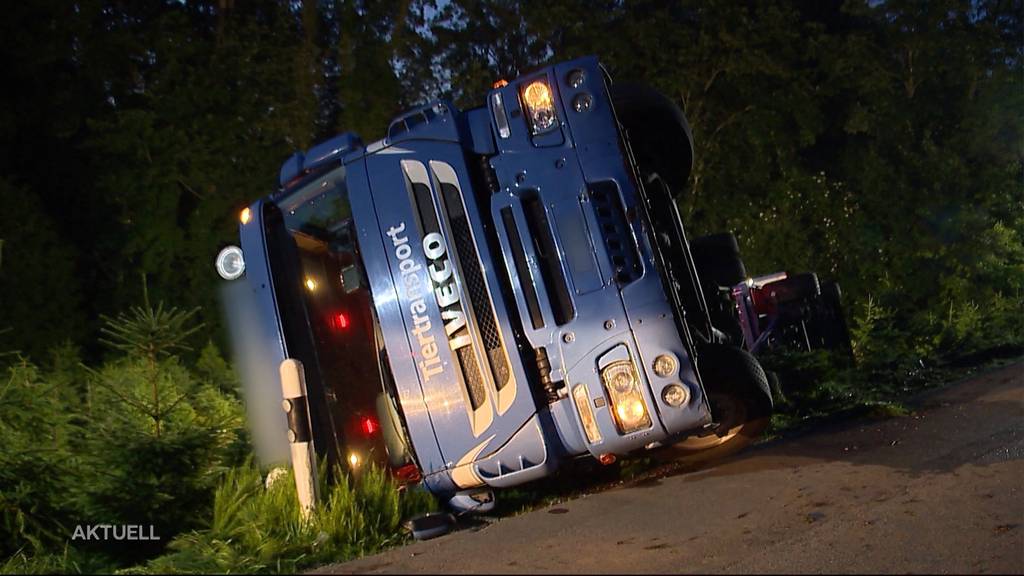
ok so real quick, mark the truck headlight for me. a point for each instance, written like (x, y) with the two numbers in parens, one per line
(540, 106)
(230, 264)
(623, 385)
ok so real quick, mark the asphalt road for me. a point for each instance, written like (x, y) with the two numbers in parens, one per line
(940, 491)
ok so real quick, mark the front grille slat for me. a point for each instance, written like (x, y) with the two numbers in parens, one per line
(475, 287)
(425, 209)
(522, 270)
(547, 259)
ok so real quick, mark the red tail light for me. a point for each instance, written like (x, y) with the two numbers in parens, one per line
(368, 425)
(339, 321)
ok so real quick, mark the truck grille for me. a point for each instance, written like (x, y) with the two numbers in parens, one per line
(471, 374)
(477, 302)
(615, 231)
(473, 280)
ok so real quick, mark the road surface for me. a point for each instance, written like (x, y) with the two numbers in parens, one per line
(939, 491)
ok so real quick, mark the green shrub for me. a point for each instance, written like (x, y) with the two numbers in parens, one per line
(258, 529)
(158, 436)
(37, 464)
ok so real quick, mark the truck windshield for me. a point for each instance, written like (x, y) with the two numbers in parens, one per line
(343, 324)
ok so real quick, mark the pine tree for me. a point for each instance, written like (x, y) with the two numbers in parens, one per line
(158, 435)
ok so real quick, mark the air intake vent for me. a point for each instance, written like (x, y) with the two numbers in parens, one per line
(618, 238)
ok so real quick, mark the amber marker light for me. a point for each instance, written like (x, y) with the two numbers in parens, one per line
(245, 216)
(579, 395)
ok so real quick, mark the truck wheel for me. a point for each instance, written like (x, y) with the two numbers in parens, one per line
(741, 404)
(838, 334)
(717, 258)
(658, 132)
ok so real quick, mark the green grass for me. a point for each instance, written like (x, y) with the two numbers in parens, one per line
(256, 529)
(259, 530)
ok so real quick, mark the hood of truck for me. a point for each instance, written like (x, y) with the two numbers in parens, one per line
(438, 297)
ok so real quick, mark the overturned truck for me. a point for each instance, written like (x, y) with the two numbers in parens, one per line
(484, 295)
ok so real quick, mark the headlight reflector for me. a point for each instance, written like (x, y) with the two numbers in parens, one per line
(630, 411)
(230, 264)
(623, 385)
(540, 106)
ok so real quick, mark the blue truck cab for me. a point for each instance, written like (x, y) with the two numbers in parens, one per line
(483, 295)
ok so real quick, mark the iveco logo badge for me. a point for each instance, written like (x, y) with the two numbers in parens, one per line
(447, 295)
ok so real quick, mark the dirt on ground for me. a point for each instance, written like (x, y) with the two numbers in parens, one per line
(940, 490)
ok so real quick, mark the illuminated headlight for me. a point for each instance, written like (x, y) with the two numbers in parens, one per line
(623, 385)
(579, 395)
(540, 106)
(230, 264)
(675, 395)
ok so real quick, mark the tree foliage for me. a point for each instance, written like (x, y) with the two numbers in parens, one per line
(879, 142)
(142, 440)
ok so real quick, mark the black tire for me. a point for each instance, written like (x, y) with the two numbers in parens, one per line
(658, 133)
(836, 332)
(430, 525)
(717, 258)
(741, 404)
(795, 287)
